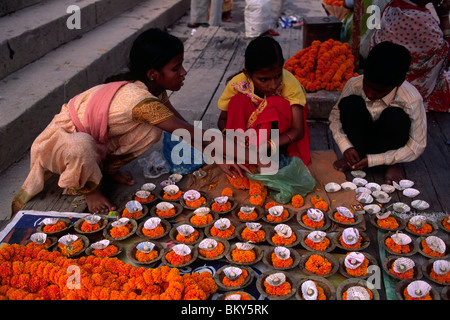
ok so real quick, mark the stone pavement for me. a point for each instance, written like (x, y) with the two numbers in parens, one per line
(12, 178)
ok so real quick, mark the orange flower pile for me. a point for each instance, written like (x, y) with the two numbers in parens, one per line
(444, 278)
(257, 192)
(312, 224)
(172, 196)
(227, 192)
(201, 220)
(244, 296)
(342, 219)
(228, 232)
(119, 232)
(281, 290)
(297, 201)
(152, 233)
(50, 228)
(192, 237)
(253, 236)
(388, 223)
(144, 200)
(360, 271)
(27, 273)
(243, 256)
(445, 223)
(283, 216)
(44, 245)
(131, 215)
(336, 3)
(318, 265)
(408, 297)
(237, 282)
(351, 246)
(427, 250)
(241, 183)
(146, 256)
(74, 248)
(395, 247)
(221, 207)
(247, 216)
(323, 65)
(106, 252)
(165, 213)
(282, 241)
(319, 246)
(409, 274)
(320, 293)
(319, 203)
(425, 229)
(344, 295)
(196, 203)
(176, 259)
(218, 250)
(88, 227)
(281, 263)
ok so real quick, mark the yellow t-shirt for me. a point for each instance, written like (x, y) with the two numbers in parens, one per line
(290, 89)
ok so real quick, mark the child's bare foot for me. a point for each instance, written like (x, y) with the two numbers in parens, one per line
(124, 177)
(393, 173)
(341, 165)
(98, 203)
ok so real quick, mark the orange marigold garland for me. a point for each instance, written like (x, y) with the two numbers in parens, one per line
(196, 203)
(176, 259)
(228, 232)
(146, 256)
(283, 241)
(323, 65)
(30, 273)
(192, 237)
(221, 207)
(119, 232)
(165, 213)
(90, 227)
(257, 192)
(131, 215)
(241, 183)
(247, 216)
(425, 229)
(155, 232)
(218, 250)
(312, 224)
(74, 248)
(351, 246)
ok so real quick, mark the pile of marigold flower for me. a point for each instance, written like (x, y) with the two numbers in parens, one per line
(323, 65)
(28, 273)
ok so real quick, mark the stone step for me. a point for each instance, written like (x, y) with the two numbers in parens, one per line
(9, 6)
(30, 33)
(30, 97)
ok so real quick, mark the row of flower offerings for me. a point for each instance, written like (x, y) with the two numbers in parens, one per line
(29, 273)
(323, 65)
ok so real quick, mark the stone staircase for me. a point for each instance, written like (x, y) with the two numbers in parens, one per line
(50, 51)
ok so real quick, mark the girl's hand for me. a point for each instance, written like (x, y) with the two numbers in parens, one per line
(237, 167)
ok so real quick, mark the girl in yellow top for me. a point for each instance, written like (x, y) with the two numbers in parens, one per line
(266, 96)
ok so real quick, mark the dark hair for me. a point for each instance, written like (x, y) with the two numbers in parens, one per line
(153, 48)
(387, 64)
(263, 52)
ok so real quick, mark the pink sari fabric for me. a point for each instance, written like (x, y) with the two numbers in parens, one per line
(415, 28)
(96, 116)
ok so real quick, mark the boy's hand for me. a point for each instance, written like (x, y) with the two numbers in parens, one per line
(362, 164)
(352, 156)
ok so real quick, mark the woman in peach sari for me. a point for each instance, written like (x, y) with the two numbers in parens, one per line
(107, 126)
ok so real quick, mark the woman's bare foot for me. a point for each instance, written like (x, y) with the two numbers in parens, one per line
(98, 203)
(341, 165)
(394, 173)
(124, 177)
